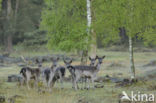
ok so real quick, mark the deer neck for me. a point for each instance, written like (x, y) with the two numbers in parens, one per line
(69, 67)
(98, 66)
(40, 68)
(53, 67)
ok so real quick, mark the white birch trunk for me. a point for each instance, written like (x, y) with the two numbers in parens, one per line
(91, 32)
(132, 67)
(89, 18)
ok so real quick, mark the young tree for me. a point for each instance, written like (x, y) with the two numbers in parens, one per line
(66, 25)
(133, 15)
(91, 30)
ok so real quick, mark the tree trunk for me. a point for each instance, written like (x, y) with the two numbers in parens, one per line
(15, 17)
(9, 35)
(84, 56)
(123, 36)
(91, 32)
(89, 18)
(132, 67)
(93, 45)
(16, 9)
(9, 43)
(9, 9)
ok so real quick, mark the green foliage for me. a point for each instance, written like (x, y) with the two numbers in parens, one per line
(0, 4)
(149, 34)
(65, 23)
(134, 15)
(149, 37)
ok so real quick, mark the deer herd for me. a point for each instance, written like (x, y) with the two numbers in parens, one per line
(49, 75)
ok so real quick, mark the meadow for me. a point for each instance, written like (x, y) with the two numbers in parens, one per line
(116, 64)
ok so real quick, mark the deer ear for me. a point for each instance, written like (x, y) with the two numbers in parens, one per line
(43, 60)
(51, 58)
(37, 61)
(96, 57)
(103, 56)
(65, 62)
(89, 58)
(58, 58)
(70, 61)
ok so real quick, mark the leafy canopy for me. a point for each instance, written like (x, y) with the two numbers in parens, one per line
(66, 24)
(136, 16)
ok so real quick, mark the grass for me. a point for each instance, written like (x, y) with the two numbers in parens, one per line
(108, 94)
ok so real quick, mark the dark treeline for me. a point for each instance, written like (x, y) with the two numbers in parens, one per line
(19, 23)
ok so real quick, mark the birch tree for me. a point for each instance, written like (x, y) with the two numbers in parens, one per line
(91, 30)
(133, 15)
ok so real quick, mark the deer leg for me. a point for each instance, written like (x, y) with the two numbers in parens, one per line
(86, 80)
(43, 79)
(22, 81)
(73, 79)
(36, 81)
(61, 80)
(76, 82)
(53, 83)
(93, 83)
(28, 79)
(82, 83)
(88, 84)
(50, 80)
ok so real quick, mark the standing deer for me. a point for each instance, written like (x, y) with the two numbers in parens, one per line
(48, 72)
(71, 70)
(29, 73)
(52, 74)
(87, 71)
(86, 79)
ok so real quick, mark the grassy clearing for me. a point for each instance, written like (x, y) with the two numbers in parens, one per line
(108, 94)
